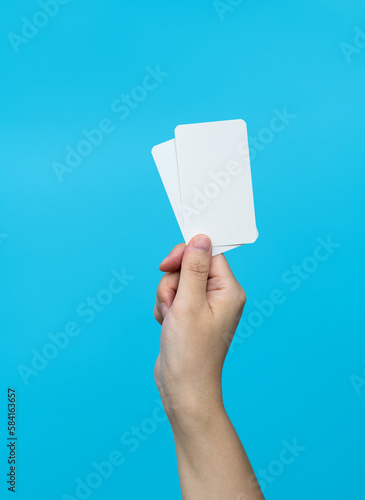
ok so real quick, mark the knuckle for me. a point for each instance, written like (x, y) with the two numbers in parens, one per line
(198, 269)
(239, 295)
(157, 314)
(161, 290)
(180, 246)
(159, 319)
(242, 297)
(167, 287)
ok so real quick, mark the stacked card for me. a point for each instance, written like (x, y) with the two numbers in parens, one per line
(207, 176)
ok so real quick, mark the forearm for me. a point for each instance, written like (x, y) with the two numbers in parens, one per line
(212, 462)
(203, 303)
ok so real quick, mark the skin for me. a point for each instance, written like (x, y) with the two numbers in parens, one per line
(199, 304)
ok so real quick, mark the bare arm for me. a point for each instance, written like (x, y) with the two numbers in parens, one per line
(199, 304)
(211, 459)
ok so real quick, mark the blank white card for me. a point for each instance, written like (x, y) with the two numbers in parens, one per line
(215, 182)
(165, 158)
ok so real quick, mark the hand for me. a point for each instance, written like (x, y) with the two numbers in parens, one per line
(199, 304)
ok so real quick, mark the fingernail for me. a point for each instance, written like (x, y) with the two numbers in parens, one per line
(202, 243)
(164, 309)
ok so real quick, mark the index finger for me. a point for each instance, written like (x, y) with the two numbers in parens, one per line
(173, 261)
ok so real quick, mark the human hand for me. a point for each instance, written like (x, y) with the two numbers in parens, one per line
(199, 304)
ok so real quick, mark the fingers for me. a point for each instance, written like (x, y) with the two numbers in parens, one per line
(221, 274)
(157, 313)
(194, 271)
(166, 292)
(160, 312)
(173, 260)
(167, 287)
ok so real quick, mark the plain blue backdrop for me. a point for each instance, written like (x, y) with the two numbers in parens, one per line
(298, 374)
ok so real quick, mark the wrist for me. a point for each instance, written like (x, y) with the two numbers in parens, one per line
(190, 409)
(192, 430)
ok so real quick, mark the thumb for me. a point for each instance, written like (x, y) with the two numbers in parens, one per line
(194, 271)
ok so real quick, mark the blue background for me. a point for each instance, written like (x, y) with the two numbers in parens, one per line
(290, 379)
